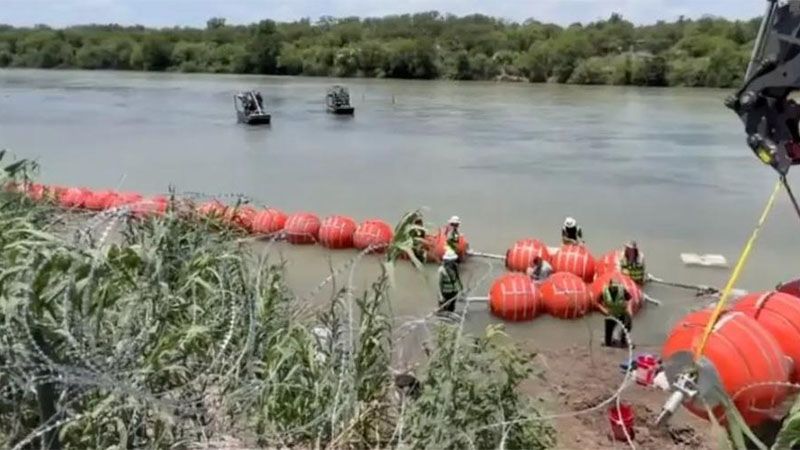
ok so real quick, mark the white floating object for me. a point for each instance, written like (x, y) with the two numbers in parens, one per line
(693, 259)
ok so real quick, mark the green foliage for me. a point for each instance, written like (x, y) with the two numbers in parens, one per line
(705, 52)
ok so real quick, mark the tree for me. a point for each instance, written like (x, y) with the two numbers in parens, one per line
(264, 47)
(154, 53)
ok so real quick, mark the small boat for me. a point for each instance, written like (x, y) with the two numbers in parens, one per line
(337, 101)
(250, 108)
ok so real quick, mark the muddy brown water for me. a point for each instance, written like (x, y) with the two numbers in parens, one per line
(667, 167)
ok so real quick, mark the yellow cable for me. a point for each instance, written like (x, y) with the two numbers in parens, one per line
(736, 272)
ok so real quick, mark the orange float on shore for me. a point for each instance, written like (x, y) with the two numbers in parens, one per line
(302, 228)
(336, 232)
(373, 234)
(514, 297)
(779, 314)
(602, 281)
(566, 296)
(100, 200)
(575, 259)
(268, 221)
(742, 353)
(520, 256)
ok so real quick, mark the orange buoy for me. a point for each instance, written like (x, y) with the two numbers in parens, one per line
(566, 296)
(437, 245)
(268, 221)
(779, 314)
(337, 232)
(36, 192)
(513, 296)
(100, 200)
(240, 216)
(126, 198)
(741, 352)
(150, 206)
(373, 234)
(602, 281)
(302, 228)
(212, 208)
(74, 197)
(520, 256)
(575, 259)
(608, 263)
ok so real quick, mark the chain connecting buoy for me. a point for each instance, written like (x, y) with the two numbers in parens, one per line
(609, 262)
(438, 246)
(566, 296)
(779, 314)
(268, 221)
(741, 358)
(602, 281)
(575, 259)
(520, 256)
(514, 297)
(302, 228)
(336, 232)
(374, 234)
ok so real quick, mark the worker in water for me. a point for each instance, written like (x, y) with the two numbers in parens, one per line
(452, 233)
(540, 270)
(616, 305)
(571, 233)
(418, 234)
(632, 263)
(449, 282)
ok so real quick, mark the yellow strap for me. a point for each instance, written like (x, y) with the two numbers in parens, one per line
(736, 272)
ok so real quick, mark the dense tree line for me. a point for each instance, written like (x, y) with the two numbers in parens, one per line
(705, 52)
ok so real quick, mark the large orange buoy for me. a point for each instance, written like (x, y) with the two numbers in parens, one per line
(337, 232)
(240, 216)
(373, 234)
(302, 228)
(513, 296)
(779, 314)
(125, 198)
(36, 192)
(520, 256)
(150, 206)
(602, 281)
(74, 197)
(437, 245)
(213, 209)
(100, 200)
(608, 263)
(741, 352)
(575, 259)
(566, 296)
(268, 221)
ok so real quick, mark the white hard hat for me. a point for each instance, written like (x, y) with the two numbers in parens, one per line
(449, 255)
(455, 220)
(569, 222)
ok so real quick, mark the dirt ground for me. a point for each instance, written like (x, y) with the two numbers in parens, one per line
(578, 378)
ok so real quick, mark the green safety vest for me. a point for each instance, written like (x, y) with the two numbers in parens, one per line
(616, 304)
(449, 281)
(453, 236)
(633, 270)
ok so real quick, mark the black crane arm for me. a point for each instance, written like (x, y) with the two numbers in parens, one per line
(763, 103)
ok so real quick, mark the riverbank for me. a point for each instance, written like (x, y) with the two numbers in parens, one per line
(710, 52)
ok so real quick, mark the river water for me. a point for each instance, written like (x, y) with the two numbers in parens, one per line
(667, 167)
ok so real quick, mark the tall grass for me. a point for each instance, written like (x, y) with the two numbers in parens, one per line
(173, 333)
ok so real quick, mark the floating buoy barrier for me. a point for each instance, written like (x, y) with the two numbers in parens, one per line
(336, 232)
(125, 198)
(740, 356)
(213, 209)
(520, 256)
(373, 234)
(609, 262)
(73, 198)
(240, 216)
(566, 296)
(602, 281)
(150, 206)
(268, 221)
(514, 297)
(100, 200)
(438, 246)
(575, 259)
(779, 314)
(302, 228)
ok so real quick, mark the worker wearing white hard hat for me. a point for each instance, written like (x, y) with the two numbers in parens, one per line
(449, 281)
(571, 232)
(452, 233)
